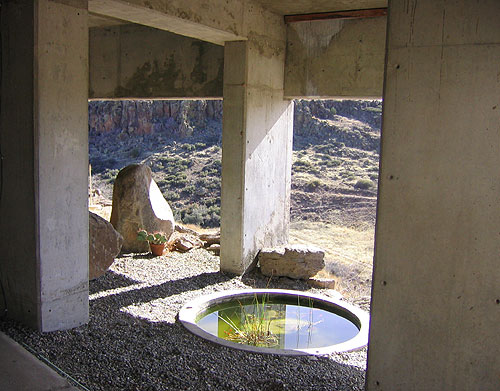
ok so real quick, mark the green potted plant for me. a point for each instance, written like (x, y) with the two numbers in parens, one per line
(157, 241)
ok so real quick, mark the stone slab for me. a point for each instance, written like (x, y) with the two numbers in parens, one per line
(21, 371)
(294, 261)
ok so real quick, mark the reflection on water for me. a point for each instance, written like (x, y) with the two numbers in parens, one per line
(285, 326)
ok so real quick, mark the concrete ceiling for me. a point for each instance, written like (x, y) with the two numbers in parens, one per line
(296, 7)
(281, 7)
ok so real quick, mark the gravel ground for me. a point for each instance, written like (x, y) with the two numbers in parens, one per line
(134, 342)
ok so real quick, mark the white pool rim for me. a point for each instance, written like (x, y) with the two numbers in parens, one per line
(191, 311)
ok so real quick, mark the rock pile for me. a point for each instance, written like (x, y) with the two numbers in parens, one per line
(186, 239)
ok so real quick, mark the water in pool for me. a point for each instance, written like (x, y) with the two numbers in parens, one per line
(265, 323)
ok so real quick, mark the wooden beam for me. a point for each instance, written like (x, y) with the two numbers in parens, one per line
(354, 14)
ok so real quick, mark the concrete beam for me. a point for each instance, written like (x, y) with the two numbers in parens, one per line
(132, 61)
(436, 298)
(324, 59)
(335, 58)
(351, 14)
(256, 150)
(211, 21)
(44, 224)
(297, 7)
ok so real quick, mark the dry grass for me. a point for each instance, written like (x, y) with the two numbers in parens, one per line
(101, 210)
(348, 254)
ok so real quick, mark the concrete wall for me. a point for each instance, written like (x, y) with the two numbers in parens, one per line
(436, 297)
(132, 61)
(44, 224)
(256, 146)
(335, 58)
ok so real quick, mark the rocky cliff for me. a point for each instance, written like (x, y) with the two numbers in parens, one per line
(180, 120)
(174, 119)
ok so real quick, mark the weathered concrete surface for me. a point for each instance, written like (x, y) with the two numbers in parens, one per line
(44, 202)
(335, 58)
(131, 61)
(257, 125)
(436, 298)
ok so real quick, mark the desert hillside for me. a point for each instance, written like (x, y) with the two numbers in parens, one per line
(335, 157)
(334, 172)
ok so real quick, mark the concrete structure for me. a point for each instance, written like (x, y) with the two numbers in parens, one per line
(335, 58)
(436, 286)
(20, 370)
(257, 124)
(44, 217)
(436, 304)
(132, 61)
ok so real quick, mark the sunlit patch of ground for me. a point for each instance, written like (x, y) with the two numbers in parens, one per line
(348, 254)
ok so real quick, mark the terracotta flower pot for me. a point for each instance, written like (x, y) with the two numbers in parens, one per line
(157, 249)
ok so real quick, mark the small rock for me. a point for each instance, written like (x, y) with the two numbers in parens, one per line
(214, 248)
(325, 283)
(210, 238)
(186, 243)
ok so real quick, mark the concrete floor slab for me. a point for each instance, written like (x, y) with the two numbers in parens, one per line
(21, 371)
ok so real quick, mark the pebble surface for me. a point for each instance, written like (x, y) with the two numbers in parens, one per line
(133, 340)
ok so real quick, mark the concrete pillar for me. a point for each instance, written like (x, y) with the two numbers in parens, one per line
(43, 206)
(436, 289)
(256, 152)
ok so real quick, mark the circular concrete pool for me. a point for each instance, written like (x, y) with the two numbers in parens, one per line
(277, 321)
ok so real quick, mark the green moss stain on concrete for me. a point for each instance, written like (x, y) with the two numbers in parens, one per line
(153, 79)
(141, 62)
(199, 74)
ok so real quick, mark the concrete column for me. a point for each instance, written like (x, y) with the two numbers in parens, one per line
(256, 152)
(436, 289)
(43, 206)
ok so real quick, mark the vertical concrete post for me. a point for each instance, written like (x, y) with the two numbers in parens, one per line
(43, 206)
(256, 153)
(436, 290)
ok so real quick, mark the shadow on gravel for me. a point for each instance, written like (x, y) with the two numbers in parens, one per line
(149, 293)
(111, 281)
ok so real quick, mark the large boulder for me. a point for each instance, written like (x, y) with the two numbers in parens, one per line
(138, 204)
(294, 261)
(105, 244)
